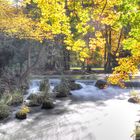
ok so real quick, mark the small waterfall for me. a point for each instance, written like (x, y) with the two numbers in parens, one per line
(33, 88)
(88, 114)
(89, 91)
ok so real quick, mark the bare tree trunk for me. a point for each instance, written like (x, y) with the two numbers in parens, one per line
(66, 55)
(29, 61)
(108, 64)
(29, 67)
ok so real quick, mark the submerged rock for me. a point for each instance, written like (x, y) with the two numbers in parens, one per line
(101, 84)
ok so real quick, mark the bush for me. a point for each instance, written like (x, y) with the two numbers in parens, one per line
(48, 104)
(17, 98)
(4, 111)
(36, 100)
(32, 96)
(22, 113)
(6, 99)
(44, 86)
(70, 83)
(61, 90)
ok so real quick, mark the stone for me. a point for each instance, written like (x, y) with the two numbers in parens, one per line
(133, 100)
(101, 84)
(70, 83)
(48, 104)
(21, 116)
(61, 90)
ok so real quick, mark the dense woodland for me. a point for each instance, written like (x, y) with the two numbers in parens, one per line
(65, 38)
(39, 36)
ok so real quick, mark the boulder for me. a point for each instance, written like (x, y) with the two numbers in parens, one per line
(74, 86)
(70, 83)
(21, 116)
(133, 100)
(61, 90)
(36, 100)
(22, 113)
(48, 104)
(101, 84)
(33, 103)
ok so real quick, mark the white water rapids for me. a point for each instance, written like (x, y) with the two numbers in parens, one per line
(88, 114)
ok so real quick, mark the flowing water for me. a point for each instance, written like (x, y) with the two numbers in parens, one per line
(88, 114)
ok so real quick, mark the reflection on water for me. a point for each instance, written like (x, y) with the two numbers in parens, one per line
(88, 114)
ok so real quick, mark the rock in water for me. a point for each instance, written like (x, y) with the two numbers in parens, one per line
(70, 83)
(101, 84)
(74, 86)
(133, 100)
(61, 90)
(21, 116)
(48, 104)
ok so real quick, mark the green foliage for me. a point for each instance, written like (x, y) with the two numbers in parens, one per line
(36, 100)
(4, 111)
(6, 99)
(47, 104)
(44, 86)
(62, 90)
(17, 98)
(134, 93)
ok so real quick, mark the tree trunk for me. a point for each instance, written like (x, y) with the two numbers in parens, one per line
(29, 62)
(108, 63)
(66, 55)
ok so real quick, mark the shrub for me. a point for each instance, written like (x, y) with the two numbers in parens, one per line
(22, 113)
(134, 97)
(47, 104)
(5, 99)
(44, 85)
(61, 90)
(4, 111)
(134, 93)
(36, 100)
(32, 96)
(17, 98)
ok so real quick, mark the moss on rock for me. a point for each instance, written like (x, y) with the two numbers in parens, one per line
(61, 90)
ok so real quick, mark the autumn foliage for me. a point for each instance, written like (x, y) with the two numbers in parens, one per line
(97, 31)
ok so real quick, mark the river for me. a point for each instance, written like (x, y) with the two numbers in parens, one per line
(88, 114)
